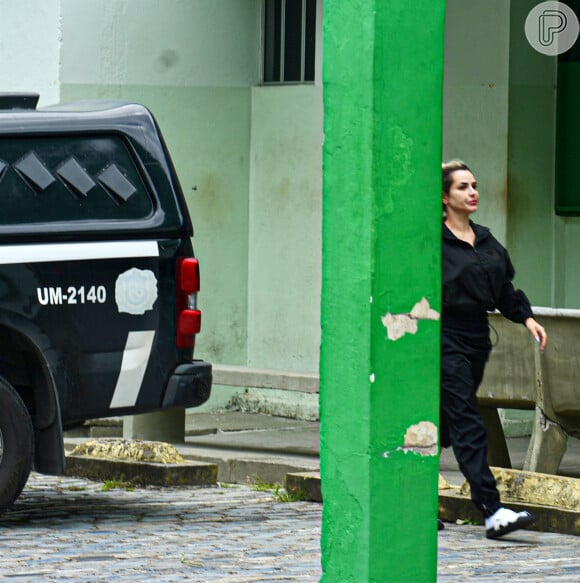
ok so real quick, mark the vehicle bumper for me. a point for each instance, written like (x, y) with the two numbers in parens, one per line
(189, 385)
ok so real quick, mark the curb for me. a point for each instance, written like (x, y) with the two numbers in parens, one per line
(233, 467)
(187, 473)
(305, 485)
(455, 507)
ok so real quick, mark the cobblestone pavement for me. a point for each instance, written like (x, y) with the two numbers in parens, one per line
(71, 530)
(465, 554)
(65, 529)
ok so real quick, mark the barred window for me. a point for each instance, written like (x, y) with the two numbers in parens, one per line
(289, 41)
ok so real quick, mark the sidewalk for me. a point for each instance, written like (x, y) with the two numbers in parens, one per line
(246, 447)
(253, 448)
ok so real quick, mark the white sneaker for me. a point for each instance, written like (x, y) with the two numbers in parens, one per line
(505, 520)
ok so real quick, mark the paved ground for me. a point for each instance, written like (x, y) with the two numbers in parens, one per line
(70, 530)
(465, 555)
(66, 530)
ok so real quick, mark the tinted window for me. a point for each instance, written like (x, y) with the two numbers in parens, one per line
(70, 178)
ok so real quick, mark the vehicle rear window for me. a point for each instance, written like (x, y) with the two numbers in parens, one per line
(70, 178)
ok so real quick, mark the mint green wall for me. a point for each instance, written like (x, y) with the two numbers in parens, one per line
(199, 43)
(533, 227)
(499, 116)
(568, 254)
(476, 99)
(285, 228)
(30, 47)
(248, 158)
(253, 153)
(208, 133)
(545, 247)
(192, 62)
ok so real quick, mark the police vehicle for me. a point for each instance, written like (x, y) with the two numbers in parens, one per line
(98, 280)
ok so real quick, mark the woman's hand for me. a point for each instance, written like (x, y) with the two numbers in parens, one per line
(538, 332)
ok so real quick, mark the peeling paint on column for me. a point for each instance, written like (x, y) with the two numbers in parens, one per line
(421, 438)
(395, 261)
(398, 325)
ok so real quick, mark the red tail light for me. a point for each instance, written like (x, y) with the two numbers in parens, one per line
(188, 320)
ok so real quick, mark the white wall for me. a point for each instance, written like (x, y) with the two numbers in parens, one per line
(192, 62)
(285, 228)
(195, 43)
(535, 237)
(476, 100)
(249, 159)
(30, 48)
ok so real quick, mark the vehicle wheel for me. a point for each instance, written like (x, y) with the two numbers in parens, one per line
(16, 445)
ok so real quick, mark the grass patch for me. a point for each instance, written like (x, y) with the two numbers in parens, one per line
(278, 491)
(260, 486)
(468, 521)
(117, 485)
(282, 495)
(185, 561)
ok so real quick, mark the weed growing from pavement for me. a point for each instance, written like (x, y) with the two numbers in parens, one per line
(278, 491)
(117, 485)
(184, 561)
(282, 495)
(468, 521)
(260, 486)
(73, 488)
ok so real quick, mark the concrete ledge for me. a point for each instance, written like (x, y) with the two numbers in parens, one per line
(555, 500)
(304, 484)
(236, 470)
(243, 376)
(139, 462)
(186, 473)
(96, 428)
(454, 506)
(559, 492)
(556, 312)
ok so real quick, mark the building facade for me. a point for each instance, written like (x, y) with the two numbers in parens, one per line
(239, 100)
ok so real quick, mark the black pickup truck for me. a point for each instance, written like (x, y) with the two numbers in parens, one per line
(98, 280)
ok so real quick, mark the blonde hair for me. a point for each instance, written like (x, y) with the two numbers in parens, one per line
(448, 168)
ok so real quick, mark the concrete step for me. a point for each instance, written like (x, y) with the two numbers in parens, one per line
(187, 473)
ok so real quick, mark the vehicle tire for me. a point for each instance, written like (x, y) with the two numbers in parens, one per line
(16, 444)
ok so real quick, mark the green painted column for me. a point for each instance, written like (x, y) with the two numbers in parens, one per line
(379, 368)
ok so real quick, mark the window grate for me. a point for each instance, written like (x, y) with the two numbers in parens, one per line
(289, 41)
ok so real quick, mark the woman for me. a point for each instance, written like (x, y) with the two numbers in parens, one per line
(477, 277)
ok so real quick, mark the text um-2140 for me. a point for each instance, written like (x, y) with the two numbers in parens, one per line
(56, 296)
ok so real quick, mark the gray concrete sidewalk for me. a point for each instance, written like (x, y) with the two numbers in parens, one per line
(246, 447)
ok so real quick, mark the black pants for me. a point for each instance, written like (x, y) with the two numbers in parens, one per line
(463, 358)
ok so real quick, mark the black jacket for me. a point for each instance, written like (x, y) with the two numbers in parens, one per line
(477, 280)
